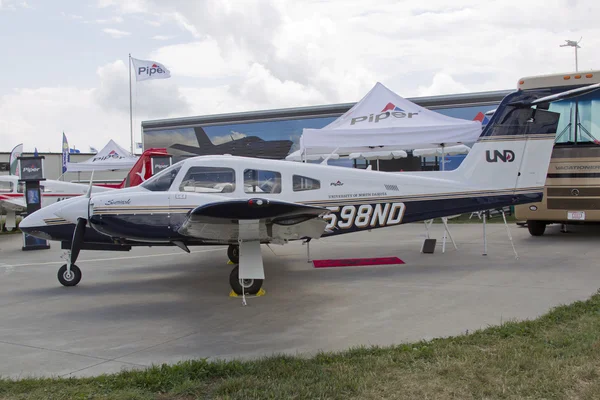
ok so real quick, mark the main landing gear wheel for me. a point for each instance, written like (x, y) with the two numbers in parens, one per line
(249, 286)
(233, 252)
(69, 278)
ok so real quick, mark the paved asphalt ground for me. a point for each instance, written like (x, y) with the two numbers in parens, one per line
(162, 305)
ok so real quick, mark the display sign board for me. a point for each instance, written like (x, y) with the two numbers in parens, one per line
(31, 171)
(31, 168)
(160, 163)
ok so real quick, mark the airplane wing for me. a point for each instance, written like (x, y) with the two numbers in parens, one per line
(13, 204)
(276, 221)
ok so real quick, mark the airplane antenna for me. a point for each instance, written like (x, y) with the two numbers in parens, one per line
(575, 44)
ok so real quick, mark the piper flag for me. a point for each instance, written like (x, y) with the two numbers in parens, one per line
(66, 156)
(146, 69)
(13, 159)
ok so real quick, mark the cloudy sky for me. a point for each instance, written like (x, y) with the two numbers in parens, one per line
(64, 62)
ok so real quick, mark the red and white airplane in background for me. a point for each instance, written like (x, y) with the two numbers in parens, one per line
(12, 198)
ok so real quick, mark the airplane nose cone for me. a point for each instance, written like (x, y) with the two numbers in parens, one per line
(30, 221)
(73, 209)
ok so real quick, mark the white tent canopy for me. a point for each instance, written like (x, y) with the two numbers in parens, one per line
(384, 119)
(111, 157)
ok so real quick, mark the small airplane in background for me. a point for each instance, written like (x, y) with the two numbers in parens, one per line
(249, 146)
(12, 197)
(245, 202)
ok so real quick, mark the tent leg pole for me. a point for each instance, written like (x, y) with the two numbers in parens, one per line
(484, 237)
(509, 235)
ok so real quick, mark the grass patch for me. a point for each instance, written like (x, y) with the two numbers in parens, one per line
(556, 356)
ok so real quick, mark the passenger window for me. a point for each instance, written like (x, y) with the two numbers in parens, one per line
(21, 187)
(208, 180)
(302, 183)
(259, 181)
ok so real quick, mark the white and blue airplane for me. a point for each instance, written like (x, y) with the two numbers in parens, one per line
(245, 202)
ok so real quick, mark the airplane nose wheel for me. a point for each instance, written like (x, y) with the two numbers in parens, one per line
(249, 286)
(69, 278)
(233, 252)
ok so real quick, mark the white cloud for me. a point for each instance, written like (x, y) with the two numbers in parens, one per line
(152, 23)
(126, 7)
(162, 37)
(201, 59)
(242, 55)
(37, 117)
(280, 53)
(71, 16)
(112, 20)
(115, 33)
(442, 84)
(12, 5)
(89, 116)
(153, 98)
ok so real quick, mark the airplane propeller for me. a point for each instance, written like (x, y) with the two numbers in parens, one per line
(79, 231)
(78, 235)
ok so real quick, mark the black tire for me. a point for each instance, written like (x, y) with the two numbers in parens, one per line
(251, 286)
(536, 228)
(233, 252)
(69, 280)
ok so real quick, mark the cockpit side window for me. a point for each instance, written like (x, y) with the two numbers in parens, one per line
(208, 180)
(302, 183)
(162, 181)
(260, 181)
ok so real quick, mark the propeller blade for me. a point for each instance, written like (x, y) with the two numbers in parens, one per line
(77, 239)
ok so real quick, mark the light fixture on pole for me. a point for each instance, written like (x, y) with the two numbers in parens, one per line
(572, 43)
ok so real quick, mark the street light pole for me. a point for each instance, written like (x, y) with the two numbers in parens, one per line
(575, 44)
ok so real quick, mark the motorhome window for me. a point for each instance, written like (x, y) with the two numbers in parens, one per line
(6, 187)
(259, 181)
(21, 187)
(579, 121)
(208, 180)
(162, 181)
(302, 183)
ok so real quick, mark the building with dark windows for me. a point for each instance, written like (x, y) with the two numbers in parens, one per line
(275, 133)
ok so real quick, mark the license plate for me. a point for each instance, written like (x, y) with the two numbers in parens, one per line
(576, 215)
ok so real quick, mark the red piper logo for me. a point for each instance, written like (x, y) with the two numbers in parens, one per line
(390, 110)
(154, 69)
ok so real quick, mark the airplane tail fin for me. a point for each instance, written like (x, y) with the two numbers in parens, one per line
(143, 168)
(203, 139)
(513, 153)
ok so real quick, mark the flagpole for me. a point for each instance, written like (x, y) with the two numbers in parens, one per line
(130, 108)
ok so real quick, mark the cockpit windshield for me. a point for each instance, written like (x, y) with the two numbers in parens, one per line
(162, 181)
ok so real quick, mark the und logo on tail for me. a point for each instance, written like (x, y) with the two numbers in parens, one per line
(497, 155)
